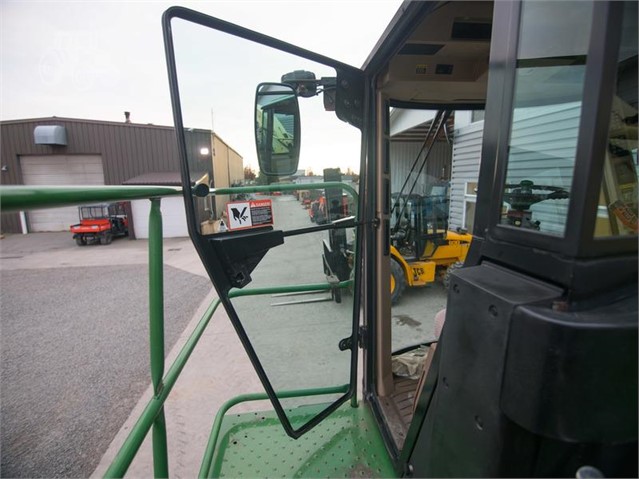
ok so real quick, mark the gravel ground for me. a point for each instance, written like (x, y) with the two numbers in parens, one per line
(75, 360)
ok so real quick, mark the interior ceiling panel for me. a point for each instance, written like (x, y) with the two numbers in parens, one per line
(446, 57)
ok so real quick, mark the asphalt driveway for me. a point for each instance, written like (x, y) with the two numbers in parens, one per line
(74, 348)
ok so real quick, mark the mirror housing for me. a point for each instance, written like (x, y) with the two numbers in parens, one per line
(303, 82)
(277, 129)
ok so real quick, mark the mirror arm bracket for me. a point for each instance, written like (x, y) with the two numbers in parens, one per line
(349, 101)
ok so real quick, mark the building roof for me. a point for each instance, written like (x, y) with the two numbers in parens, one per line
(163, 178)
(115, 123)
(98, 122)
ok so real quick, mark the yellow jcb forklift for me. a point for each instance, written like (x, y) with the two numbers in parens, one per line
(422, 248)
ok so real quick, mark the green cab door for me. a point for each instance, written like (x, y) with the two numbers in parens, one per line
(285, 269)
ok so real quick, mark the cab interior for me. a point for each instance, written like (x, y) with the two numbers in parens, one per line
(442, 63)
(445, 59)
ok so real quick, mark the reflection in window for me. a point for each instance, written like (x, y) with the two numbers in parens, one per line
(470, 201)
(617, 212)
(551, 65)
(477, 115)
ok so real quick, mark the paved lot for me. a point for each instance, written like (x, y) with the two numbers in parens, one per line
(74, 346)
(413, 315)
(297, 343)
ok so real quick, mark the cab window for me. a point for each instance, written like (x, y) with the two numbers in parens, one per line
(547, 107)
(617, 212)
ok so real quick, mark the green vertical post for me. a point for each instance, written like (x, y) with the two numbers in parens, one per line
(160, 448)
(156, 330)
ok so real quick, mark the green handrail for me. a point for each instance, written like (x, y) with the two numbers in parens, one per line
(206, 469)
(284, 187)
(15, 198)
(129, 448)
(156, 334)
(139, 431)
(20, 197)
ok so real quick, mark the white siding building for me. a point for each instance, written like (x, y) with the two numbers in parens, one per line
(542, 149)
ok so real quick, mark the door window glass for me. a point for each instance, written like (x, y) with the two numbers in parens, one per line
(295, 307)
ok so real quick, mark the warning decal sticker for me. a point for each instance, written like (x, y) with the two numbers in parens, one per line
(249, 214)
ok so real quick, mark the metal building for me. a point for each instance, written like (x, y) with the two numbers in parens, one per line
(408, 129)
(65, 151)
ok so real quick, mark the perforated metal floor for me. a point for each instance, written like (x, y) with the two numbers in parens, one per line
(346, 444)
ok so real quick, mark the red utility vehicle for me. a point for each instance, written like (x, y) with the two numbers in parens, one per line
(100, 223)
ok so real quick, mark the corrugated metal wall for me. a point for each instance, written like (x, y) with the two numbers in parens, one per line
(542, 149)
(465, 168)
(127, 150)
(543, 144)
(228, 169)
(237, 167)
(402, 157)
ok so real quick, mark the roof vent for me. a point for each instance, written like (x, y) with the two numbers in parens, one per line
(477, 30)
(50, 135)
(420, 49)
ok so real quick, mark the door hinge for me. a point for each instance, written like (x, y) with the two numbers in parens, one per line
(347, 343)
(375, 222)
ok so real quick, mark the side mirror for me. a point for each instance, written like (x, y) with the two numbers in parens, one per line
(277, 129)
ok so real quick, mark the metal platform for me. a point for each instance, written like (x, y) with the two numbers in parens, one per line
(346, 444)
(397, 408)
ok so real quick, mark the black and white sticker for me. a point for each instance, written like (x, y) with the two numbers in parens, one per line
(249, 214)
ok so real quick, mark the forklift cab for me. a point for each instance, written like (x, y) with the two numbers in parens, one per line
(535, 372)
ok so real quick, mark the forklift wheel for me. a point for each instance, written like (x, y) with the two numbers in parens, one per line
(398, 281)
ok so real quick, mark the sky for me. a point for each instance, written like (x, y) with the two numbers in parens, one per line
(95, 60)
